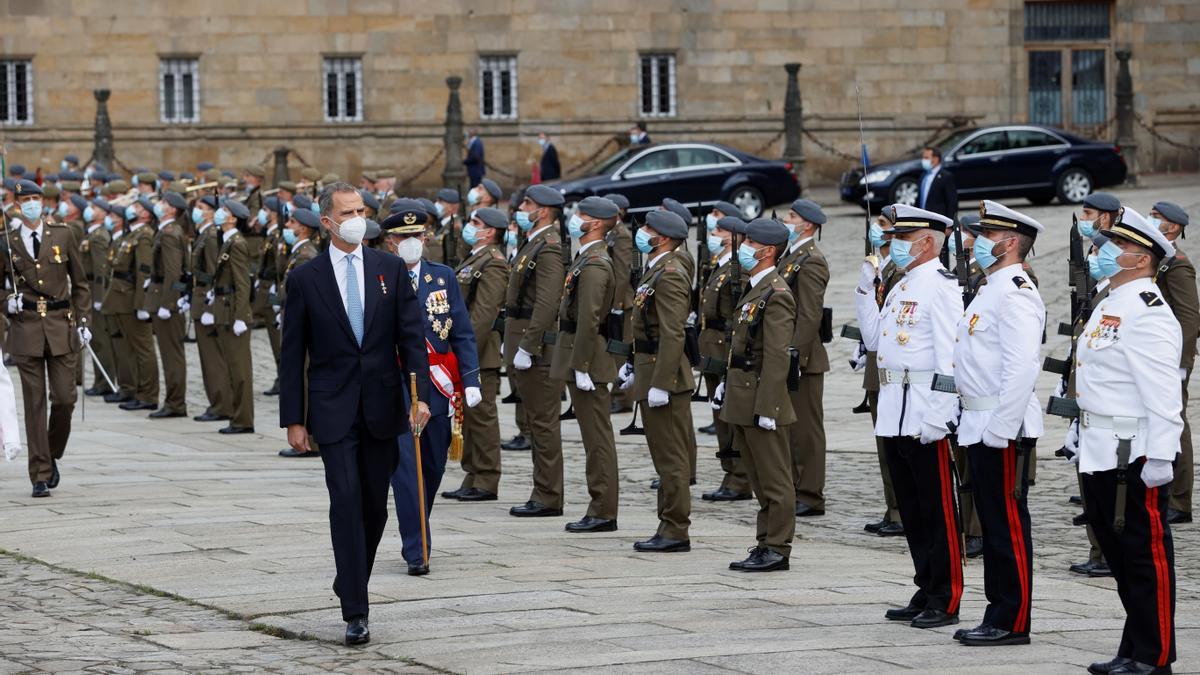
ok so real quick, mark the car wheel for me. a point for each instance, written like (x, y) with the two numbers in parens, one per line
(749, 200)
(905, 191)
(1074, 185)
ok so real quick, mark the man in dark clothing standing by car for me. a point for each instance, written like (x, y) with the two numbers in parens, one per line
(938, 192)
(549, 169)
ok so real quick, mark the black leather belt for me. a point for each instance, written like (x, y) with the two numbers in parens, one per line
(715, 324)
(156, 278)
(645, 346)
(741, 363)
(566, 326)
(41, 306)
(223, 290)
(518, 313)
(123, 276)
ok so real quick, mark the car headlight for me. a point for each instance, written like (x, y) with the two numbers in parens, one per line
(875, 176)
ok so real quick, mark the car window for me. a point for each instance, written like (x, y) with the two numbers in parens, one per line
(612, 163)
(1029, 138)
(700, 157)
(947, 143)
(657, 160)
(989, 142)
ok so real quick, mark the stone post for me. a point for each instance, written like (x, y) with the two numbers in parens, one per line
(793, 124)
(102, 151)
(281, 167)
(1125, 115)
(454, 176)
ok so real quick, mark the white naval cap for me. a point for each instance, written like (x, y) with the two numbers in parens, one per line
(910, 218)
(1131, 226)
(996, 216)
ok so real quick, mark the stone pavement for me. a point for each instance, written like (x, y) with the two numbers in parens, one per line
(243, 536)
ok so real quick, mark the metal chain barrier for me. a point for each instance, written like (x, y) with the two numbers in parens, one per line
(495, 169)
(767, 146)
(828, 148)
(425, 167)
(1158, 135)
(590, 159)
(950, 123)
(295, 153)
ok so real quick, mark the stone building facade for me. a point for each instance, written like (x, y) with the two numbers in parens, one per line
(351, 84)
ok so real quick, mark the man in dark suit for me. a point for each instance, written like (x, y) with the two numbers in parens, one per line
(938, 192)
(353, 317)
(549, 169)
(474, 161)
(638, 135)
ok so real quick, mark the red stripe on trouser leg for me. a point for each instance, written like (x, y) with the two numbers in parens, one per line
(1016, 536)
(956, 573)
(1161, 576)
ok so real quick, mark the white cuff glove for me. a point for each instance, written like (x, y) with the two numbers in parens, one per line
(11, 451)
(183, 303)
(691, 320)
(1071, 441)
(656, 398)
(96, 306)
(931, 433)
(583, 381)
(866, 277)
(1183, 373)
(210, 297)
(272, 291)
(146, 283)
(239, 327)
(143, 315)
(859, 360)
(625, 376)
(718, 397)
(164, 313)
(767, 423)
(473, 396)
(207, 319)
(993, 441)
(522, 360)
(257, 282)
(1157, 472)
(279, 320)
(1060, 390)
(85, 334)
(15, 304)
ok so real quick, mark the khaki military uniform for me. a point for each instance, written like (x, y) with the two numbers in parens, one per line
(661, 307)
(253, 235)
(717, 301)
(123, 357)
(231, 303)
(620, 250)
(756, 387)
(807, 274)
(170, 263)
(582, 346)
(94, 250)
(206, 249)
(128, 278)
(887, 279)
(435, 239)
(535, 288)
(483, 278)
(268, 256)
(1177, 282)
(43, 339)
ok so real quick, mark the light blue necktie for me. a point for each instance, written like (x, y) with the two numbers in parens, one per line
(354, 308)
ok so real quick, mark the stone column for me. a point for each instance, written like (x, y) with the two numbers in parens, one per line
(1125, 113)
(793, 124)
(281, 167)
(102, 151)
(454, 176)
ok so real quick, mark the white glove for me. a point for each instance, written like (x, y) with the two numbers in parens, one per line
(11, 451)
(143, 315)
(1183, 373)
(1060, 389)
(859, 360)
(15, 304)
(276, 308)
(473, 396)
(931, 434)
(183, 303)
(207, 319)
(239, 327)
(767, 423)
(164, 313)
(85, 334)
(657, 398)
(1071, 441)
(278, 319)
(1157, 472)
(96, 306)
(256, 283)
(625, 376)
(691, 320)
(209, 297)
(993, 441)
(522, 360)
(146, 284)
(583, 381)
(866, 277)
(718, 397)
(272, 291)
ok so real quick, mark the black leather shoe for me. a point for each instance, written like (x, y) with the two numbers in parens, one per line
(768, 561)
(990, 636)
(1105, 667)
(417, 569)
(755, 554)
(617, 408)
(117, 397)
(477, 495)
(291, 452)
(655, 483)
(659, 544)
(1076, 500)
(590, 524)
(958, 634)
(164, 413)
(873, 528)
(892, 529)
(357, 632)
(1134, 668)
(1178, 517)
(210, 417)
(237, 430)
(1079, 520)
(568, 415)
(273, 391)
(1100, 569)
(933, 618)
(1083, 567)
(805, 511)
(532, 509)
(40, 489)
(55, 476)
(138, 405)
(710, 429)
(335, 587)
(453, 494)
(511, 398)
(97, 391)
(974, 547)
(724, 494)
(518, 442)
(907, 613)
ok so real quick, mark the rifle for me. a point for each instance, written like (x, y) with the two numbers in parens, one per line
(8, 263)
(961, 269)
(1083, 289)
(635, 268)
(449, 249)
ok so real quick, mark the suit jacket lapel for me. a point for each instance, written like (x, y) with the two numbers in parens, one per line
(373, 289)
(328, 288)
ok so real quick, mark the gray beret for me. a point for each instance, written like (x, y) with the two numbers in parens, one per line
(727, 209)
(620, 200)
(492, 217)
(166, 175)
(302, 202)
(72, 159)
(51, 178)
(146, 203)
(204, 166)
(492, 188)
(678, 209)
(79, 202)
(238, 209)
(102, 203)
(667, 224)
(16, 170)
(427, 204)
(598, 207)
(71, 175)
(369, 200)
(809, 210)
(732, 224)
(187, 175)
(1171, 212)
(175, 199)
(447, 195)
(210, 201)
(543, 195)
(767, 231)
(10, 184)
(1102, 201)
(25, 187)
(307, 218)
(373, 229)
(889, 212)
(272, 203)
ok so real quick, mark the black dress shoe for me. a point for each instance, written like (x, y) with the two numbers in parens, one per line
(710, 429)
(164, 413)
(478, 495)
(453, 494)
(568, 415)
(1178, 517)
(755, 554)
(655, 483)
(40, 489)
(357, 632)
(55, 476)
(768, 561)
(990, 636)
(273, 391)
(518, 442)
(958, 634)
(335, 587)
(417, 569)
(532, 509)
(590, 524)
(974, 547)
(135, 404)
(210, 417)
(291, 452)
(724, 494)
(237, 430)
(511, 398)
(892, 529)
(1131, 667)
(1079, 520)
(117, 397)
(1076, 500)
(907, 613)
(933, 618)
(1100, 569)
(1083, 567)
(617, 408)
(97, 391)
(805, 511)
(660, 544)
(1105, 667)
(874, 527)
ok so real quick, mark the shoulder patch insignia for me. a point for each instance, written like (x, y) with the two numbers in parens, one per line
(1151, 299)
(947, 273)
(1020, 282)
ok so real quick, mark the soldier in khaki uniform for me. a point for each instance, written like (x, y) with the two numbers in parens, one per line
(206, 250)
(754, 397)
(660, 375)
(269, 261)
(228, 310)
(129, 277)
(535, 288)
(48, 317)
(581, 357)
(485, 195)
(804, 269)
(94, 250)
(483, 278)
(114, 223)
(620, 250)
(170, 254)
(301, 236)
(447, 205)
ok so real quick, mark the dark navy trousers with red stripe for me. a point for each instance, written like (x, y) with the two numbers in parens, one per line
(924, 486)
(1142, 559)
(1007, 544)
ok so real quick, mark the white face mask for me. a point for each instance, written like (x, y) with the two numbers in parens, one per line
(352, 231)
(410, 250)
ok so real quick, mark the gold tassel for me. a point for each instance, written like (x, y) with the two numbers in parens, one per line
(456, 436)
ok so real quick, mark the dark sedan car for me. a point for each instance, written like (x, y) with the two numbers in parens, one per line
(696, 174)
(1038, 163)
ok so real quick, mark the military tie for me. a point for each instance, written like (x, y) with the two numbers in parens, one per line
(354, 308)
(412, 279)
(37, 245)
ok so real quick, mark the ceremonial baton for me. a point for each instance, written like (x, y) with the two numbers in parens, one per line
(416, 434)
(100, 366)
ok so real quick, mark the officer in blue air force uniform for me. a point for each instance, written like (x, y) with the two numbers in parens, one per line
(453, 364)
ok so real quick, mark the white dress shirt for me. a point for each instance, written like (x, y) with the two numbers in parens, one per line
(27, 236)
(339, 260)
(760, 276)
(795, 245)
(997, 357)
(1127, 365)
(913, 331)
(586, 247)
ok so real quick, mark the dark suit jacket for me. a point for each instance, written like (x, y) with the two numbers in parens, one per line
(943, 195)
(474, 161)
(341, 375)
(550, 170)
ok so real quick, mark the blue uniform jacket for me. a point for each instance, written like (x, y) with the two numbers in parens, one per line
(447, 325)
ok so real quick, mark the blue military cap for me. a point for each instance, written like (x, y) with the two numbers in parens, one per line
(809, 210)
(204, 166)
(272, 203)
(102, 203)
(732, 224)
(448, 195)
(598, 207)
(493, 188)
(302, 202)
(10, 184)
(71, 175)
(373, 229)
(668, 224)
(51, 178)
(24, 188)
(187, 175)
(544, 195)
(307, 218)
(175, 199)
(16, 170)
(166, 175)
(1171, 212)
(236, 208)
(78, 202)
(620, 200)
(767, 231)
(1134, 228)
(71, 159)
(369, 200)
(1102, 201)
(678, 209)
(430, 207)
(727, 209)
(407, 218)
(146, 203)
(210, 200)
(493, 218)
